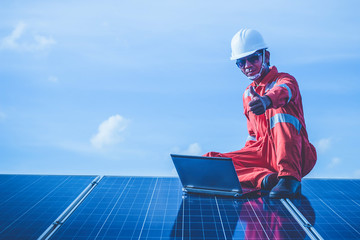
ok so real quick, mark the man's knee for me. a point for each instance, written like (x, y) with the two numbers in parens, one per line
(213, 154)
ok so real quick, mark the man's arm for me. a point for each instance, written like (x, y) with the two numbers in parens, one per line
(285, 90)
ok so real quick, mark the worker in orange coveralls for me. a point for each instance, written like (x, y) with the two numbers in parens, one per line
(277, 153)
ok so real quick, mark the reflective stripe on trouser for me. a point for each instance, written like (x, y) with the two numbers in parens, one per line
(287, 143)
(251, 138)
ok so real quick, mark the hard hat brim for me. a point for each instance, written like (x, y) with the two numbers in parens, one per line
(244, 54)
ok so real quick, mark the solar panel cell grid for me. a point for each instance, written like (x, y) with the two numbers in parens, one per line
(336, 204)
(154, 208)
(163, 209)
(30, 203)
(201, 218)
(258, 218)
(117, 206)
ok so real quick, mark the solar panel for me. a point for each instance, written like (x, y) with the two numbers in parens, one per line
(118, 207)
(336, 205)
(155, 208)
(30, 203)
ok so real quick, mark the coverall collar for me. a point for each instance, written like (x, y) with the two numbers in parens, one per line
(268, 77)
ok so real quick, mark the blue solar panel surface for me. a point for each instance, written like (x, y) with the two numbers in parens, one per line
(155, 208)
(336, 205)
(30, 203)
(126, 208)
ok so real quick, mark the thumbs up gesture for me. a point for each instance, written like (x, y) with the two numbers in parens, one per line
(258, 104)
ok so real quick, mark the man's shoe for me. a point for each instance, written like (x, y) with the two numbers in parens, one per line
(269, 181)
(287, 187)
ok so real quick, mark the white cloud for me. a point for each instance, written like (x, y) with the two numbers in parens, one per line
(53, 79)
(2, 115)
(10, 41)
(324, 144)
(357, 173)
(334, 162)
(18, 41)
(193, 149)
(43, 42)
(174, 172)
(109, 132)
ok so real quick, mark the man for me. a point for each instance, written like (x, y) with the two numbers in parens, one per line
(277, 153)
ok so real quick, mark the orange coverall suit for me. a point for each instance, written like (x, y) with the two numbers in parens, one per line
(277, 141)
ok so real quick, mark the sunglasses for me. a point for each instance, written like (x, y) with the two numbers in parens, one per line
(252, 59)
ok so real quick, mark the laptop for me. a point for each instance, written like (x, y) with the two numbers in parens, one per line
(209, 175)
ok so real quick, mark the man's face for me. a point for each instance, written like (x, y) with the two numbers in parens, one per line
(250, 65)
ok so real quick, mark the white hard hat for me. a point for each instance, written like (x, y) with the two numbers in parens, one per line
(246, 42)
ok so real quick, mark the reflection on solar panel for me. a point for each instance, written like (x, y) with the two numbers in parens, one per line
(224, 218)
(154, 208)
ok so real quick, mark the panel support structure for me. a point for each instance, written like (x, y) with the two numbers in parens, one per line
(69, 210)
(303, 222)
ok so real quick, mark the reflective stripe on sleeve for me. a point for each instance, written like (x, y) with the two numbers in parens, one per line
(269, 86)
(289, 91)
(247, 93)
(251, 138)
(287, 118)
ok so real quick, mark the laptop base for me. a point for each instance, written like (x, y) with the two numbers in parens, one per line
(213, 192)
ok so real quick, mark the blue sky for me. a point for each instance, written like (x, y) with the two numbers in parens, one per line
(114, 87)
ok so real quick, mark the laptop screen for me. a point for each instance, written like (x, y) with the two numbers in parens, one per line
(206, 172)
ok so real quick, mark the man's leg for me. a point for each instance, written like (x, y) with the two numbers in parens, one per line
(287, 143)
(251, 163)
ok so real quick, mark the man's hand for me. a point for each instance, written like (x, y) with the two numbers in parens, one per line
(258, 104)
